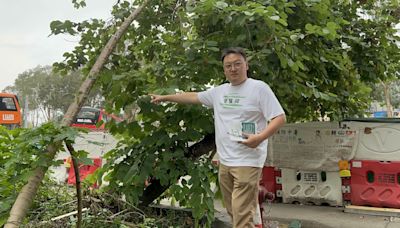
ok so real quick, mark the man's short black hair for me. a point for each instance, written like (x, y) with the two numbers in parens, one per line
(233, 50)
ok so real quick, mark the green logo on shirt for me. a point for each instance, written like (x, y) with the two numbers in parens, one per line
(232, 101)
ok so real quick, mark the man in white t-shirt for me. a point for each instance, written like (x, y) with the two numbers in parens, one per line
(246, 114)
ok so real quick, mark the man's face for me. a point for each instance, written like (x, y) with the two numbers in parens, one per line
(235, 68)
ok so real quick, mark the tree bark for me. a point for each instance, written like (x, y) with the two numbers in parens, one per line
(386, 91)
(28, 192)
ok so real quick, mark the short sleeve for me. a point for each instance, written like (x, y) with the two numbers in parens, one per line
(269, 104)
(206, 97)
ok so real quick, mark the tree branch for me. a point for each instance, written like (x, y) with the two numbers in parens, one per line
(77, 182)
(155, 189)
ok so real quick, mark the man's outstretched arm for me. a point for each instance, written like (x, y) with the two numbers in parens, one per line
(181, 98)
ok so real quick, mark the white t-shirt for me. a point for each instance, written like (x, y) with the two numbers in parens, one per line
(250, 104)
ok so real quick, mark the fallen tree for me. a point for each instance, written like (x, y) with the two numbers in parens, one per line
(297, 47)
(28, 192)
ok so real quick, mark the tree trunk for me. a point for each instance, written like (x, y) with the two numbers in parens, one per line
(25, 196)
(28, 192)
(25, 113)
(386, 91)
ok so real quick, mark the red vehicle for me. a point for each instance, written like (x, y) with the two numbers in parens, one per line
(10, 111)
(88, 117)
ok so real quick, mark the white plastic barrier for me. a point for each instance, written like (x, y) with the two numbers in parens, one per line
(310, 146)
(311, 187)
(377, 139)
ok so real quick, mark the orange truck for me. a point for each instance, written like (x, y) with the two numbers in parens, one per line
(10, 111)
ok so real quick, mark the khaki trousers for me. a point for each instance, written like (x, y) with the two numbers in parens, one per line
(239, 187)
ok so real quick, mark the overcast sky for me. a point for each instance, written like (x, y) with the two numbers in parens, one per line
(24, 32)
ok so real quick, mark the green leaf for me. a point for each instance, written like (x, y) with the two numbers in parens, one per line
(316, 93)
(310, 84)
(325, 31)
(300, 65)
(282, 22)
(247, 13)
(131, 173)
(293, 65)
(221, 4)
(311, 29)
(274, 18)
(212, 43)
(215, 49)
(294, 37)
(332, 25)
(283, 60)
(56, 26)
(85, 161)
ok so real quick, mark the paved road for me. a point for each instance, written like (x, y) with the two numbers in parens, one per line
(313, 217)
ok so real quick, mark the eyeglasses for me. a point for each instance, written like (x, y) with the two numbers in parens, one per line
(235, 65)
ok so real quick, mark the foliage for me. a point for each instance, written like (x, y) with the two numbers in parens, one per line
(394, 88)
(307, 51)
(21, 151)
(104, 210)
(8, 187)
(53, 199)
(374, 39)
